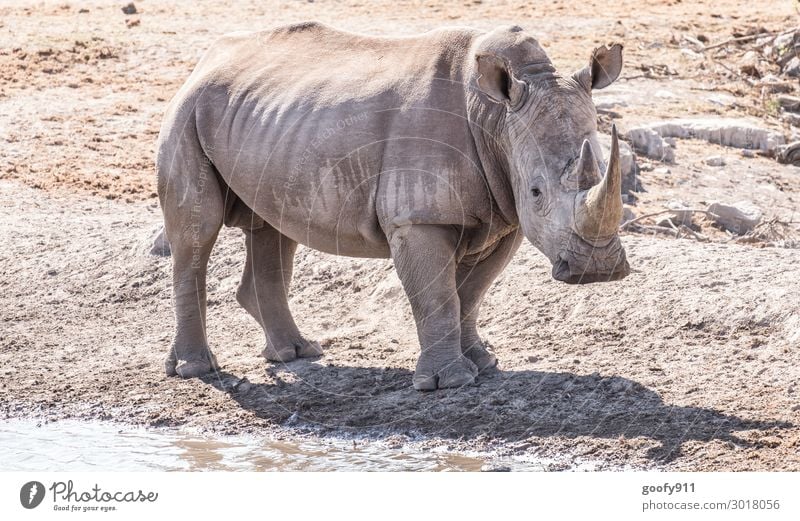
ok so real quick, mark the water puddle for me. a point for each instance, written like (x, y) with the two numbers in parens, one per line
(27, 445)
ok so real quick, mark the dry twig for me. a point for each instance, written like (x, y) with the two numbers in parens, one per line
(742, 39)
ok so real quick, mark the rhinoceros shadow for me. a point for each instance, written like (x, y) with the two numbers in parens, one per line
(509, 405)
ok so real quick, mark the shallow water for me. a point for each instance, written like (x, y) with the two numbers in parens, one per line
(27, 445)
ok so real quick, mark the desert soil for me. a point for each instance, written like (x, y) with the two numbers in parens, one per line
(691, 363)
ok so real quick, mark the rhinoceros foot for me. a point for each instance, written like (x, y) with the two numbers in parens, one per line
(481, 355)
(191, 368)
(432, 374)
(288, 351)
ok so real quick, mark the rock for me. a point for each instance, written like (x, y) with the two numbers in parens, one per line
(630, 177)
(129, 8)
(738, 218)
(662, 171)
(160, 244)
(783, 41)
(695, 42)
(692, 55)
(714, 161)
(792, 119)
(494, 467)
(132, 22)
(725, 100)
(738, 133)
(627, 214)
(790, 154)
(792, 69)
(680, 214)
(771, 84)
(609, 103)
(789, 103)
(650, 144)
(748, 65)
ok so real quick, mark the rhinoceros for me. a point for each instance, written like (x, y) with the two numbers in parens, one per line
(440, 151)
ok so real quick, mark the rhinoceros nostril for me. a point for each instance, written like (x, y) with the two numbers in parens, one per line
(561, 270)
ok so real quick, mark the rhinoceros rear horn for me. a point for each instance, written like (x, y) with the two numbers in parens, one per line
(600, 207)
(586, 170)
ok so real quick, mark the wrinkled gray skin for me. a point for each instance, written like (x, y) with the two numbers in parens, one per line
(440, 151)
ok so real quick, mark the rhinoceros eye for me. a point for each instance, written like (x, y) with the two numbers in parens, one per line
(536, 192)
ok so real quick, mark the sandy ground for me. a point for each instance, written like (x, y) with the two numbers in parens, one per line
(690, 363)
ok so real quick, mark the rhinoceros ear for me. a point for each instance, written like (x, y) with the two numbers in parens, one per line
(603, 68)
(497, 81)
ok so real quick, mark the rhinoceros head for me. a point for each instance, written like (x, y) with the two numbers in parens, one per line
(568, 202)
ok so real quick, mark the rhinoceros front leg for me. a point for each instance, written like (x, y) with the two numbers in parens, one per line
(424, 259)
(264, 291)
(473, 280)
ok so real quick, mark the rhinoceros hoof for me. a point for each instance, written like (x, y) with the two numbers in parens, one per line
(482, 356)
(430, 376)
(191, 368)
(298, 349)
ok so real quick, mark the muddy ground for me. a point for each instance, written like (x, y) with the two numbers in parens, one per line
(691, 363)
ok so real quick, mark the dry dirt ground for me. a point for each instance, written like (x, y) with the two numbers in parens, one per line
(691, 363)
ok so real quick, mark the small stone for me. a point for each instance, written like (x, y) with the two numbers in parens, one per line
(749, 64)
(770, 84)
(627, 214)
(493, 467)
(725, 100)
(714, 161)
(692, 55)
(783, 41)
(790, 103)
(132, 22)
(792, 119)
(738, 218)
(792, 68)
(662, 171)
(610, 103)
(680, 212)
(129, 8)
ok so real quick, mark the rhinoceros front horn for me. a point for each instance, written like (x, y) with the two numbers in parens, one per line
(599, 209)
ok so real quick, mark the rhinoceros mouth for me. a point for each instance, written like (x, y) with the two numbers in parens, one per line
(563, 273)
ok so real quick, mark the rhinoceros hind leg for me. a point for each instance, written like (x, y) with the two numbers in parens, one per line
(193, 207)
(481, 355)
(424, 258)
(264, 290)
(473, 280)
(190, 368)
